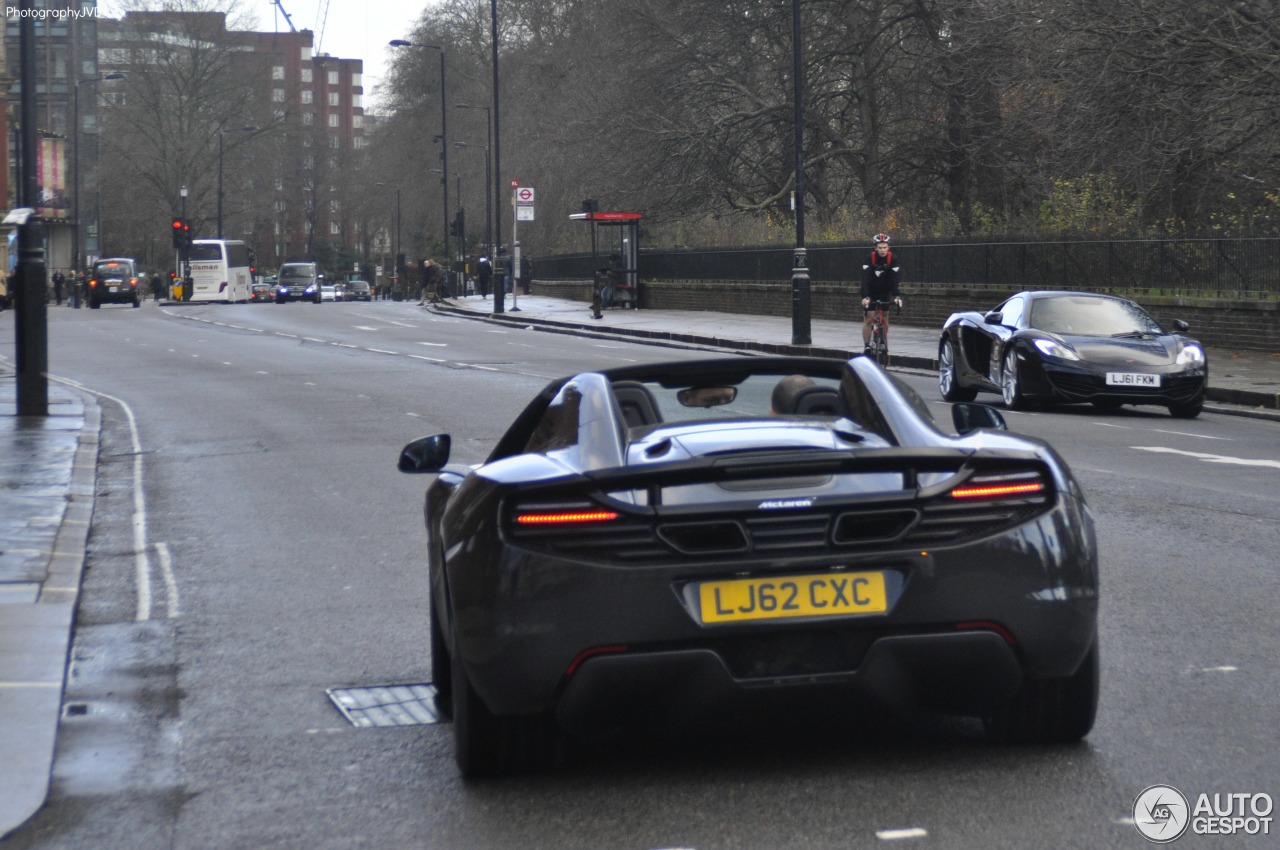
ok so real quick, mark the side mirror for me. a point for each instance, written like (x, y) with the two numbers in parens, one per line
(425, 454)
(970, 417)
(1181, 326)
(994, 318)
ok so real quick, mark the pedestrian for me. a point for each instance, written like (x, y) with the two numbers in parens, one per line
(58, 280)
(157, 286)
(485, 273)
(879, 283)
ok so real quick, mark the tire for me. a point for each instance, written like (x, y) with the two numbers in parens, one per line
(485, 744)
(1187, 411)
(1011, 382)
(95, 305)
(1050, 711)
(948, 379)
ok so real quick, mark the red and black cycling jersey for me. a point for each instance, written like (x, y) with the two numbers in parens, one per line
(880, 277)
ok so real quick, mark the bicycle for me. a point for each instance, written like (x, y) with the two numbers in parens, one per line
(879, 345)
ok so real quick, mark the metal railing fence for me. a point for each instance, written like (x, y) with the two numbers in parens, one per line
(1228, 266)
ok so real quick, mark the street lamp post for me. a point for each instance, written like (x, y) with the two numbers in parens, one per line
(184, 254)
(444, 143)
(75, 179)
(800, 325)
(498, 303)
(488, 204)
(222, 134)
(488, 207)
(395, 245)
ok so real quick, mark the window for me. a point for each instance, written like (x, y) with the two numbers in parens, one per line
(277, 95)
(356, 101)
(308, 96)
(334, 228)
(334, 98)
(306, 75)
(277, 73)
(333, 78)
(357, 121)
(335, 120)
(359, 141)
(308, 118)
(306, 53)
(356, 80)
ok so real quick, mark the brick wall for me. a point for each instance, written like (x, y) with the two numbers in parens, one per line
(1248, 325)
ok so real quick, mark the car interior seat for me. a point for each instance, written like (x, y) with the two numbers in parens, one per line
(637, 404)
(818, 401)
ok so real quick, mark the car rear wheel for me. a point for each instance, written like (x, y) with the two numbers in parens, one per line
(948, 379)
(1187, 411)
(1011, 383)
(485, 744)
(1050, 711)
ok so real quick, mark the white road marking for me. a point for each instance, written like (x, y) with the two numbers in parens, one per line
(435, 344)
(290, 336)
(899, 834)
(381, 351)
(170, 581)
(141, 562)
(313, 339)
(428, 359)
(1208, 458)
(1186, 434)
(260, 372)
(309, 383)
(1226, 668)
(344, 345)
(414, 415)
(364, 328)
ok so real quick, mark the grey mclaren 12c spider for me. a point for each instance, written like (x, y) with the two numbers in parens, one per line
(686, 539)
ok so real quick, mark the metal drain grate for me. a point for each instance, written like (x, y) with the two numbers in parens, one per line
(387, 705)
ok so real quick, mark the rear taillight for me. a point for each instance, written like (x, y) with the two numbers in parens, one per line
(564, 517)
(93, 282)
(1013, 485)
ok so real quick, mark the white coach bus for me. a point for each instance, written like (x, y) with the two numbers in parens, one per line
(220, 271)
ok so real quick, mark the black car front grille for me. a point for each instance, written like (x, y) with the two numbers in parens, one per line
(1076, 387)
(736, 532)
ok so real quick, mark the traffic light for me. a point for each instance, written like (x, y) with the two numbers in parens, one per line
(253, 263)
(179, 233)
(459, 226)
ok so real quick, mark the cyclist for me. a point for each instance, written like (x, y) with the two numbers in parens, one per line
(879, 283)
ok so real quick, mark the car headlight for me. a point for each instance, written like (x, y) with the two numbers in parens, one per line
(311, 289)
(1053, 348)
(1191, 355)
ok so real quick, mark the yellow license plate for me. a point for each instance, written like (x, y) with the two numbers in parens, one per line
(821, 595)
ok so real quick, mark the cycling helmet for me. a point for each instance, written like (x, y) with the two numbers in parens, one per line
(880, 237)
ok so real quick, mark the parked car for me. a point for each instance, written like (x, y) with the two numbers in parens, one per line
(114, 281)
(678, 538)
(1072, 347)
(299, 282)
(358, 290)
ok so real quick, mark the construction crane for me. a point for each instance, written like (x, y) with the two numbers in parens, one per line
(287, 19)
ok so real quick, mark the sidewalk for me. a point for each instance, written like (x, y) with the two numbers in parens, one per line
(47, 487)
(1244, 383)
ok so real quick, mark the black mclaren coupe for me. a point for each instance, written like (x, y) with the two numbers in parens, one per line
(1072, 347)
(695, 539)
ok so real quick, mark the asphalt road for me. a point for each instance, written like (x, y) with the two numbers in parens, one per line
(285, 555)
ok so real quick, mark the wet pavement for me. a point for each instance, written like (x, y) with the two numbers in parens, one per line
(48, 476)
